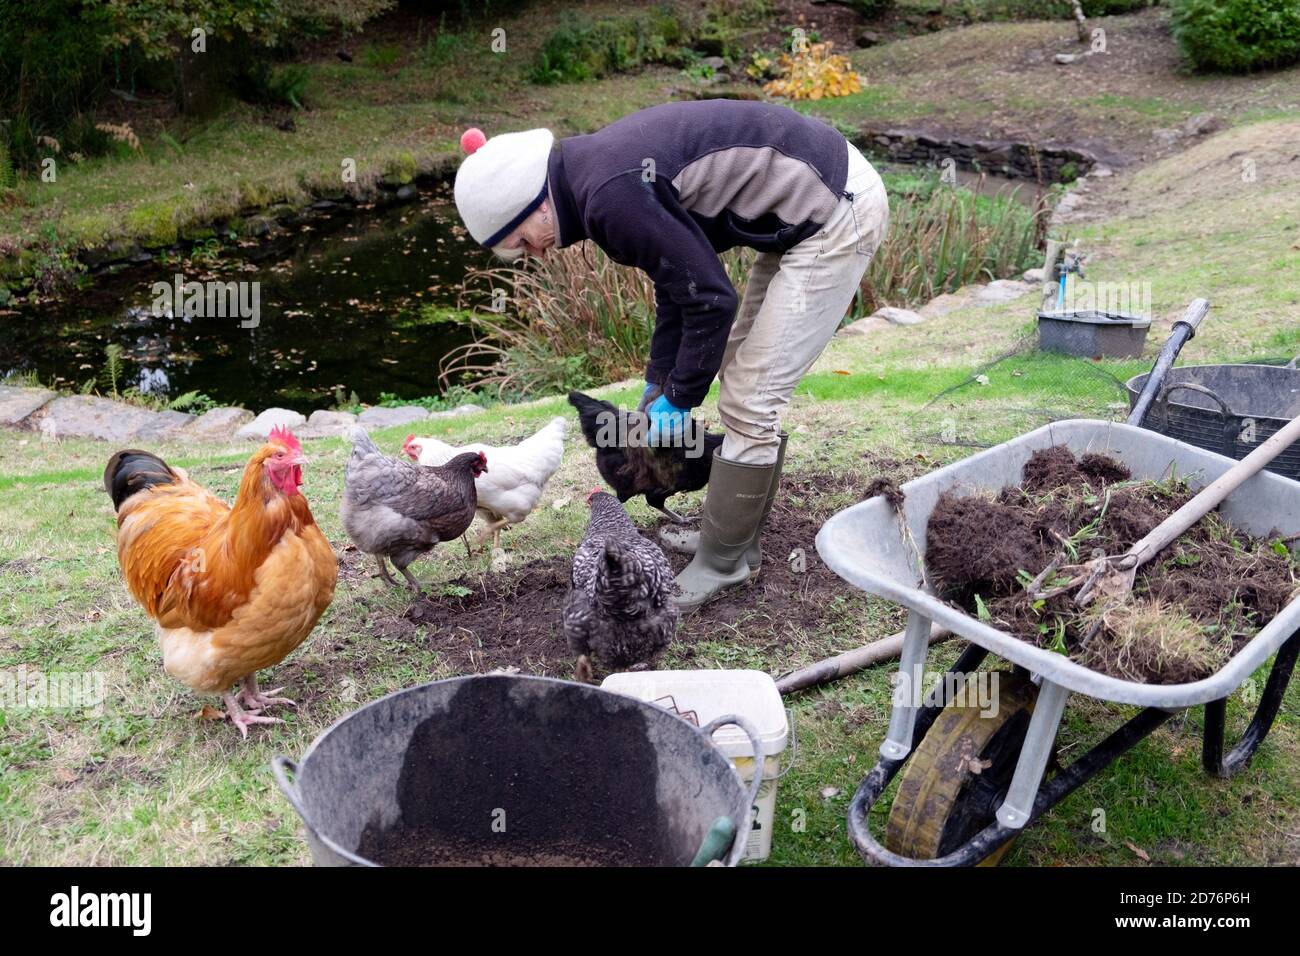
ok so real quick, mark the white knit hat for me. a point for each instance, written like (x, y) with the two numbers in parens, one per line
(501, 181)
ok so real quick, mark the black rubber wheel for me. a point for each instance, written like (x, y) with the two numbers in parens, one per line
(953, 784)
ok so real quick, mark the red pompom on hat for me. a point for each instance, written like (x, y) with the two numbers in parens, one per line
(471, 140)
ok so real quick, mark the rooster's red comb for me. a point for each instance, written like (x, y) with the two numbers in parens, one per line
(594, 491)
(285, 437)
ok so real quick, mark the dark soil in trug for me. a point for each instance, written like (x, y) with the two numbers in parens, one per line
(421, 847)
(1192, 607)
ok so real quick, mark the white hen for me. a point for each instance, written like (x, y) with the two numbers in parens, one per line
(511, 490)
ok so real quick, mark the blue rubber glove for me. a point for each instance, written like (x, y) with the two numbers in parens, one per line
(652, 391)
(667, 422)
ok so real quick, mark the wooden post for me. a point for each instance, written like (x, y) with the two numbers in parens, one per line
(850, 662)
(1080, 23)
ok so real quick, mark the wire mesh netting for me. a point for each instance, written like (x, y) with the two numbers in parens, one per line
(1020, 388)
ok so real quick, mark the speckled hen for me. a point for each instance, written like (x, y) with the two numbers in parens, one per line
(619, 607)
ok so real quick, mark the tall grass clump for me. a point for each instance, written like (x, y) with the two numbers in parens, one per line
(575, 319)
(942, 237)
(571, 320)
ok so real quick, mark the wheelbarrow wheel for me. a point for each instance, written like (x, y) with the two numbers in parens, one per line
(954, 782)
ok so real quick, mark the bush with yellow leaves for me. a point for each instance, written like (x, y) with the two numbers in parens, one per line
(813, 73)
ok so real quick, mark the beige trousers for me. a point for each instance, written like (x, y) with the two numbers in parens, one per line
(792, 305)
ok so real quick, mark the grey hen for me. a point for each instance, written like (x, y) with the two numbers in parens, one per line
(619, 606)
(394, 508)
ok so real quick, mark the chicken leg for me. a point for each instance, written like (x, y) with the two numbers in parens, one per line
(660, 504)
(493, 530)
(383, 571)
(582, 671)
(410, 579)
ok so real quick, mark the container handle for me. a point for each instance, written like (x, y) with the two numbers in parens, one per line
(743, 828)
(794, 744)
(282, 768)
(1160, 407)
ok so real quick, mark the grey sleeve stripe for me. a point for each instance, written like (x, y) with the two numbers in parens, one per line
(751, 181)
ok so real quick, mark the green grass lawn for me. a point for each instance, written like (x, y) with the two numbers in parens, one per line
(148, 782)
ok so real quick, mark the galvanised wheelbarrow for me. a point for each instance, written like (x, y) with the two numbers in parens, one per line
(946, 811)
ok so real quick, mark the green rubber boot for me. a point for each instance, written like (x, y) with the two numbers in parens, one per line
(734, 507)
(687, 540)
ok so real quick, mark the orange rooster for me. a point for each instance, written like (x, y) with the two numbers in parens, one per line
(232, 590)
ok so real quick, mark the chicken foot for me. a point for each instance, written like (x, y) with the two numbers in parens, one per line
(671, 515)
(244, 719)
(256, 700)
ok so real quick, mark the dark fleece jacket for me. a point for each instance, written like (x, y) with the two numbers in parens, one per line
(668, 188)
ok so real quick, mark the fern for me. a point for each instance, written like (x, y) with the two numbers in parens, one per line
(289, 85)
(170, 141)
(194, 401)
(112, 373)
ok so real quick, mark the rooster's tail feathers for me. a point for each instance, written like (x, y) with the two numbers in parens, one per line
(132, 470)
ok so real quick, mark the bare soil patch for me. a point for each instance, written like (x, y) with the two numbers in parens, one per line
(511, 619)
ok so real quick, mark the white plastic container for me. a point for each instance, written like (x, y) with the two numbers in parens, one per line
(701, 695)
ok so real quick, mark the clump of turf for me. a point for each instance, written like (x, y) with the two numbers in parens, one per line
(1143, 637)
(1192, 607)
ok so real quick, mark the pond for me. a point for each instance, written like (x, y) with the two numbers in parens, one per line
(350, 301)
(341, 301)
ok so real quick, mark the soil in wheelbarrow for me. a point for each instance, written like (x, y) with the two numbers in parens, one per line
(1192, 607)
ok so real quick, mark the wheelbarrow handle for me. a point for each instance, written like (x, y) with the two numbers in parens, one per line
(744, 826)
(1184, 330)
(1195, 314)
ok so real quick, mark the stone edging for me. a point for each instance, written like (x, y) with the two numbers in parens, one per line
(92, 416)
(994, 293)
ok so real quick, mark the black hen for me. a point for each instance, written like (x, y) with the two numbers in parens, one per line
(619, 606)
(658, 472)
